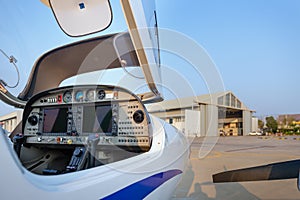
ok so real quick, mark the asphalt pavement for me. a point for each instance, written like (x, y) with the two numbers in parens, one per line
(214, 155)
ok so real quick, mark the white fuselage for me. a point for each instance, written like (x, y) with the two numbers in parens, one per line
(151, 175)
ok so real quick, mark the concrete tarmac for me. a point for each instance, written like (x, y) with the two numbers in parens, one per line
(231, 153)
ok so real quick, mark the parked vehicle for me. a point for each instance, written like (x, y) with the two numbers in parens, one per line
(255, 133)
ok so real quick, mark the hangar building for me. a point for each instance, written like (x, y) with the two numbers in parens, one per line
(206, 115)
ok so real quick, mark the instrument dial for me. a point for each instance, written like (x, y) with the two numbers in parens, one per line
(79, 96)
(67, 97)
(90, 95)
(101, 94)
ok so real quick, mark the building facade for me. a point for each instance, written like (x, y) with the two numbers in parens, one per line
(288, 120)
(10, 121)
(206, 115)
(289, 123)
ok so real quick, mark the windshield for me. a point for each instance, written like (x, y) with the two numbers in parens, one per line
(34, 34)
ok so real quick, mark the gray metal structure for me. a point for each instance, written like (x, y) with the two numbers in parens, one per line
(219, 112)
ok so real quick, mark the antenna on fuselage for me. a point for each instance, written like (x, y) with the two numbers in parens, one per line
(5, 95)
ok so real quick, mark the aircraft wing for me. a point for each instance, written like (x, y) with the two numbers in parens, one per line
(274, 171)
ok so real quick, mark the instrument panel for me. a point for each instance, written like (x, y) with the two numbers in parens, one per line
(73, 115)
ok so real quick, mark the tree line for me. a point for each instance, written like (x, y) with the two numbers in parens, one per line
(271, 125)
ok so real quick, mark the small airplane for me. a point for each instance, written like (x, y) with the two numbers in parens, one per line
(92, 141)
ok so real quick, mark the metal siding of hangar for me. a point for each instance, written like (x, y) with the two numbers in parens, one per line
(11, 120)
(204, 124)
(192, 122)
(247, 122)
(209, 115)
(212, 115)
(209, 107)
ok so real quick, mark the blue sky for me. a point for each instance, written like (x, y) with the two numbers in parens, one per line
(255, 44)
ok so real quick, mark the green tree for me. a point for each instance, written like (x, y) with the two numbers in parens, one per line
(261, 124)
(272, 124)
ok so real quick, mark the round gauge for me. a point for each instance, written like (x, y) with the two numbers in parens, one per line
(101, 94)
(90, 95)
(79, 96)
(67, 98)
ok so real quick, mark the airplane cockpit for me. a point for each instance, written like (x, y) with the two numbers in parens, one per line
(67, 128)
(90, 68)
(75, 128)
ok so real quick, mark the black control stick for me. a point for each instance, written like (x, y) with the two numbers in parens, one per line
(93, 140)
(77, 159)
(18, 141)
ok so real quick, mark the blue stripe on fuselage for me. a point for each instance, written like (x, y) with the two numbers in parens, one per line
(143, 188)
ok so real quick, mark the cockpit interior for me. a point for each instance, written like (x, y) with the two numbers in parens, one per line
(80, 127)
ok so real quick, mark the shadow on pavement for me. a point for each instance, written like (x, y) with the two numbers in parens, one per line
(227, 191)
(185, 184)
(188, 190)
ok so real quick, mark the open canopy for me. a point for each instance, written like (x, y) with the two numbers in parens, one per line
(77, 18)
(137, 48)
(78, 58)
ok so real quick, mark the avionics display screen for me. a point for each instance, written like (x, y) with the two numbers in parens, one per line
(55, 120)
(97, 119)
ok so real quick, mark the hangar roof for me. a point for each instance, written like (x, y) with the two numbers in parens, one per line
(222, 99)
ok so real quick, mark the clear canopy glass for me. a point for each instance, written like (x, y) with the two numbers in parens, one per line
(40, 40)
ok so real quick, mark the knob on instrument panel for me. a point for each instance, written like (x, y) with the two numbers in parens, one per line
(138, 116)
(33, 120)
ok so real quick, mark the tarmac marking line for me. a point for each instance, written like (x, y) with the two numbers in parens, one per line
(249, 148)
(218, 154)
